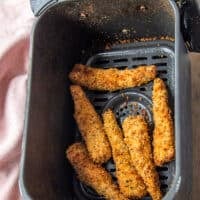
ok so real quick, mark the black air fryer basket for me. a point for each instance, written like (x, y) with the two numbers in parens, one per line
(106, 33)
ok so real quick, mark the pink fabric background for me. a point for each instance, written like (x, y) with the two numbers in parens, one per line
(16, 21)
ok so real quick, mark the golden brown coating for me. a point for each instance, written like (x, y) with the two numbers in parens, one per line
(92, 174)
(163, 135)
(111, 79)
(138, 141)
(130, 182)
(90, 126)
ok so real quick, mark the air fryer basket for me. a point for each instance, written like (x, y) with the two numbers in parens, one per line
(103, 34)
(133, 101)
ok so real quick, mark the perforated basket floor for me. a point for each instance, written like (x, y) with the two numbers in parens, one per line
(133, 101)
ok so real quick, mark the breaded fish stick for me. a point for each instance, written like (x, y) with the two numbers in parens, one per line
(138, 141)
(92, 174)
(163, 135)
(130, 182)
(90, 126)
(111, 79)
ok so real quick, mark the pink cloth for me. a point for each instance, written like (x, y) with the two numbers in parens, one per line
(15, 24)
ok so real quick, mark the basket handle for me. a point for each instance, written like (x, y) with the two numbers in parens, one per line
(190, 23)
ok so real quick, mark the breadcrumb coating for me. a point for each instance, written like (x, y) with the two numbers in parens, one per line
(163, 135)
(138, 141)
(111, 79)
(130, 182)
(92, 174)
(90, 126)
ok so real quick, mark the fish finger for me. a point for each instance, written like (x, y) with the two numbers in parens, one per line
(111, 79)
(130, 182)
(138, 141)
(163, 135)
(90, 126)
(92, 174)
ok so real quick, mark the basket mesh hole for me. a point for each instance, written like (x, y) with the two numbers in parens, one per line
(112, 170)
(102, 99)
(121, 67)
(161, 64)
(114, 179)
(164, 186)
(160, 169)
(101, 62)
(98, 107)
(142, 89)
(165, 79)
(120, 60)
(143, 64)
(163, 177)
(98, 93)
(162, 71)
(139, 58)
(159, 56)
